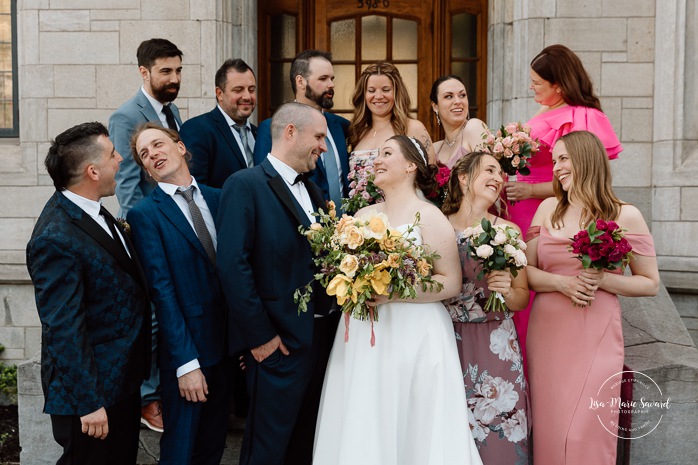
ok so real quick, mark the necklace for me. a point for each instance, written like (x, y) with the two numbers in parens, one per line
(375, 131)
(450, 143)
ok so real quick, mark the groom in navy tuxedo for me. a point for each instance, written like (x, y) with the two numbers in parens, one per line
(262, 260)
(92, 302)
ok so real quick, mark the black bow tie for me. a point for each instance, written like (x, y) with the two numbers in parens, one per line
(302, 177)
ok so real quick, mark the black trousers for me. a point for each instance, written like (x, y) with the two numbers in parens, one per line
(120, 447)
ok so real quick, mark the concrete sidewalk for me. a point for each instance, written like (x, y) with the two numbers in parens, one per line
(149, 448)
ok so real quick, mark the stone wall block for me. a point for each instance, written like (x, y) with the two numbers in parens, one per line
(579, 9)
(185, 34)
(614, 57)
(637, 125)
(592, 64)
(19, 164)
(630, 168)
(34, 116)
(105, 26)
(202, 10)
(613, 109)
(689, 204)
(34, 4)
(116, 83)
(28, 37)
(666, 204)
(64, 20)
(35, 435)
(93, 5)
(192, 81)
(15, 233)
(599, 35)
(32, 336)
(79, 47)
(675, 238)
(36, 81)
(627, 79)
(115, 15)
(75, 81)
(627, 8)
(165, 9)
(25, 202)
(11, 338)
(61, 119)
(72, 103)
(641, 197)
(18, 304)
(641, 40)
(638, 102)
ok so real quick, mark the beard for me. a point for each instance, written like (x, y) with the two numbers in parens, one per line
(324, 100)
(164, 94)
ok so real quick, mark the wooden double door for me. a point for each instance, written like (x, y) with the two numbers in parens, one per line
(423, 38)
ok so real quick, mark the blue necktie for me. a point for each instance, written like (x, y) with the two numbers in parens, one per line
(333, 182)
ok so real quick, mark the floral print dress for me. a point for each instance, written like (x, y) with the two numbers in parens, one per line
(490, 357)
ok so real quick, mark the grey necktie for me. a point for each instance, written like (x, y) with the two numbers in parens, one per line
(199, 223)
(243, 130)
(333, 182)
(169, 117)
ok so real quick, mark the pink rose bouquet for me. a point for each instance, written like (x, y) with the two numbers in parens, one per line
(512, 145)
(362, 191)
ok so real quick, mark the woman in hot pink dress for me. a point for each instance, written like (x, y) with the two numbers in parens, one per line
(563, 88)
(575, 342)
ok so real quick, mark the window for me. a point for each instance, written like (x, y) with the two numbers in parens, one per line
(9, 111)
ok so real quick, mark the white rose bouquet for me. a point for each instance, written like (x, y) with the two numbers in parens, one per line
(495, 247)
(362, 257)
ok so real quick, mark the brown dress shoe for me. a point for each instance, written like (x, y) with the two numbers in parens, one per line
(151, 416)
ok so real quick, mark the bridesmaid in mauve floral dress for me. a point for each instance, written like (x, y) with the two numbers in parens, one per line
(575, 343)
(488, 346)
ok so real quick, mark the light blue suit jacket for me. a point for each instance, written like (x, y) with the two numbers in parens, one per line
(132, 183)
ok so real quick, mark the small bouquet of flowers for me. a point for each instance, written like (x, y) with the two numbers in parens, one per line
(363, 257)
(362, 191)
(496, 247)
(438, 196)
(602, 245)
(512, 145)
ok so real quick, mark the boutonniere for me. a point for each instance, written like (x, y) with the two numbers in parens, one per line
(125, 227)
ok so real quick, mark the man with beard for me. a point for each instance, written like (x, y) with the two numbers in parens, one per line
(160, 65)
(312, 82)
(222, 141)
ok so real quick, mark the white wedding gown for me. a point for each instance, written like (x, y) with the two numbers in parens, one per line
(401, 402)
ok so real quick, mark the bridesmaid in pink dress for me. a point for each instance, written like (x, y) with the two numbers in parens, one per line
(575, 339)
(462, 134)
(563, 88)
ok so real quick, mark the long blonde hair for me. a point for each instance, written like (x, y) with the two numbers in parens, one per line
(591, 181)
(363, 119)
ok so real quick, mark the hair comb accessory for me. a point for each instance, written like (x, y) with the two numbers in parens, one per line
(419, 149)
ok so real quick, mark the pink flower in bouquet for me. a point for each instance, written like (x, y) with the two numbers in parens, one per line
(512, 145)
(602, 246)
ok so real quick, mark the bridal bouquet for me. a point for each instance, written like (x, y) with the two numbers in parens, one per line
(362, 257)
(496, 247)
(362, 191)
(438, 196)
(512, 145)
(602, 245)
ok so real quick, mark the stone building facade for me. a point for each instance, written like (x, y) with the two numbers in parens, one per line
(76, 62)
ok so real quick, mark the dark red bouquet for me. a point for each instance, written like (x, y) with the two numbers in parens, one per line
(602, 245)
(438, 196)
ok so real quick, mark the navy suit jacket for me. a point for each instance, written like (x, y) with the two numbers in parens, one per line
(132, 183)
(94, 311)
(263, 259)
(337, 126)
(184, 287)
(215, 152)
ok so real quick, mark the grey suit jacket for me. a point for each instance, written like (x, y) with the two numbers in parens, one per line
(132, 184)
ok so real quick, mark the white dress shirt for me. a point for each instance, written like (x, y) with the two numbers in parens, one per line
(299, 190)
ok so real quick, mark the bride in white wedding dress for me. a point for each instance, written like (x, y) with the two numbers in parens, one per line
(400, 402)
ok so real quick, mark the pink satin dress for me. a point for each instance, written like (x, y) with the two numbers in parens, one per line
(548, 127)
(572, 352)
